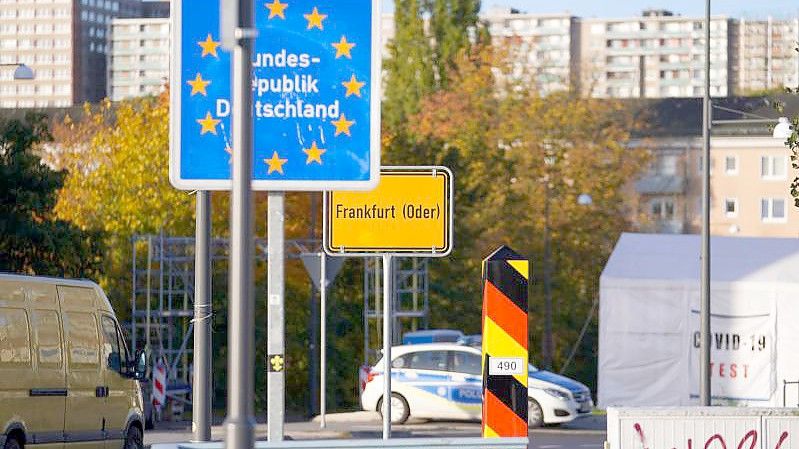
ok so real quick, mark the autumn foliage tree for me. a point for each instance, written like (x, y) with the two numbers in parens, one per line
(510, 148)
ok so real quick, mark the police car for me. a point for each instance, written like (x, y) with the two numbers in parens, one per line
(443, 381)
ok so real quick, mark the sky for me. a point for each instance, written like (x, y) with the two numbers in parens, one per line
(750, 9)
(626, 8)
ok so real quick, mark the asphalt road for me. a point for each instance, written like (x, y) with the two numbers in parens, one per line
(584, 433)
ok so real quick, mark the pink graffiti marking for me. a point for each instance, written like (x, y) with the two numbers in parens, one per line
(718, 438)
(751, 434)
(640, 432)
(783, 437)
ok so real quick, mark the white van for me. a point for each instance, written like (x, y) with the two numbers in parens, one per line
(66, 377)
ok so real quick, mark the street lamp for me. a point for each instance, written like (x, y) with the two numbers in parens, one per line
(783, 129)
(22, 71)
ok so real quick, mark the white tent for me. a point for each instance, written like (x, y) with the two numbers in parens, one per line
(649, 321)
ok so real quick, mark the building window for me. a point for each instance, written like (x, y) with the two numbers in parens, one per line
(731, 207)
(731, 165)
(662, 208)
(772, 210)
(772, 167)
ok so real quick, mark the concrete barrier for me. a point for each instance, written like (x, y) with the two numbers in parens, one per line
(702, 428)
(398, 443)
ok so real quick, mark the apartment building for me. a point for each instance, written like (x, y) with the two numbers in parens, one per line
(543, 47)
(138, 57)
(750, 171)
(766, 56)
(64, 42)
(656, 55)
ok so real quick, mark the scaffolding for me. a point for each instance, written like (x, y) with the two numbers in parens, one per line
(411, 301)
(162, 300)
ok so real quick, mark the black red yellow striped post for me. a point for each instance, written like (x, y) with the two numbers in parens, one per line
(505, 361)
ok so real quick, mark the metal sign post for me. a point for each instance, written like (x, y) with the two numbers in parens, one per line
(240, 422)
(201, 399)
(388, 319)
(275, 344)
(323, 339)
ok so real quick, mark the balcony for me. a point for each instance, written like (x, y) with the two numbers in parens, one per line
(660, 185)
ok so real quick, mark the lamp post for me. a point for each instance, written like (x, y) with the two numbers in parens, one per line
(704, 291)
(22, 71)
(781, 130)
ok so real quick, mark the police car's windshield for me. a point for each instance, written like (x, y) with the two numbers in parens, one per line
(531, 368)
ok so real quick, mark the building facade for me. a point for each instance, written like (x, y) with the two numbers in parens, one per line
(138, 57)
(545, 48)
(656, 55)
(750, 188)
(64, 42)
(750, 171)
(766, 55)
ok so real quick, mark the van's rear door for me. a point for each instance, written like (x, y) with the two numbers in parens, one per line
(16, 360)
(84, 425)
(48, 393)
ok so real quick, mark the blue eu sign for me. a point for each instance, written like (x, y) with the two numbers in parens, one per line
(316, 97)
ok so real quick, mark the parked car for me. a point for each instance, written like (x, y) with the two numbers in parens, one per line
(66, 377)
(432, 336)
(444, 381)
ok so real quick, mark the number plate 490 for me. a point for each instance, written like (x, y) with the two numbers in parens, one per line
(505, 366)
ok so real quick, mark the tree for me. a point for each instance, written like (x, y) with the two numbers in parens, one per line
(32, 240)
(793, 143)
(429, 34)
(510, 148)
(118, 184)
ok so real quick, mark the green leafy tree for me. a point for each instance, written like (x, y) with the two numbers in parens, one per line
(429, 35)
(32, 239)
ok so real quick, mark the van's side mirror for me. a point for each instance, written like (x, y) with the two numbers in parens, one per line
(140, 367)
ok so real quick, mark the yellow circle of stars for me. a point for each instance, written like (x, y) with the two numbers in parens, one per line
(343, 48)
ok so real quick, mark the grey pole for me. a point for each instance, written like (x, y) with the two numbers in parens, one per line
(201, 396)
(323, 338)
(387, 333)
(133, 302)
(148, 308)
(704, 305)
(240, 422)
(548, 344)
(276, 345)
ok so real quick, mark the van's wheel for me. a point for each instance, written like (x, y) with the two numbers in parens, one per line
(535, 415)
(399, 409)
(12, 443)
(133, 440)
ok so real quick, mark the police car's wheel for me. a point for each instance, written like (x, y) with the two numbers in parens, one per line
(399, 409)
(535, 415)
